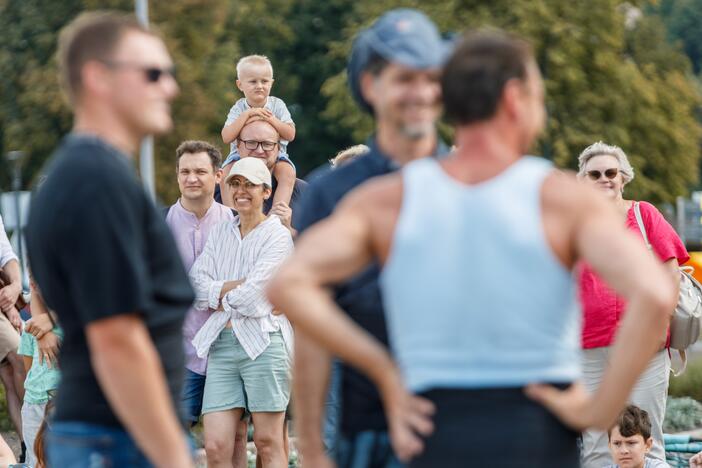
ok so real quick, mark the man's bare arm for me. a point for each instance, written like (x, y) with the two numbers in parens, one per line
(601, 239)
(130, 374)
(331, 251)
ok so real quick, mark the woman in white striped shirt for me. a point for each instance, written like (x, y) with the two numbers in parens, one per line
(249, 349)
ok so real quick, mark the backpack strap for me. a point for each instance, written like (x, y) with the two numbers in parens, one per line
(683, 358)
(642, 228)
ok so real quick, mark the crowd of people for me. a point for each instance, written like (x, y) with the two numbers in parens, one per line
(427, 300)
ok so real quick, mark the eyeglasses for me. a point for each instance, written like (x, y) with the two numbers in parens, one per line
(237, 184)
(252, 145)
(152, 74)
(608, 173)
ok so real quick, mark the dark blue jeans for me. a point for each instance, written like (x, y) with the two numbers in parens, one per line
(331, 409)
(83, 445)
(191, 399)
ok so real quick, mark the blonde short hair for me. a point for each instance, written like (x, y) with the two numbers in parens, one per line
(252, 60)
(599, 149)
(348, 155)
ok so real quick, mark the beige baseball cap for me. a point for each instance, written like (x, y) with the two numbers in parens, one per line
(253, 169)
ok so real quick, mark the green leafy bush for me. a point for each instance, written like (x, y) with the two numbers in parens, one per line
(682, 414)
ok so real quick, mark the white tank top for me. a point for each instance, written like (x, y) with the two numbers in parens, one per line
(474, 296)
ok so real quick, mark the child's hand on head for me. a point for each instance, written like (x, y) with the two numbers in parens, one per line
(259, 114)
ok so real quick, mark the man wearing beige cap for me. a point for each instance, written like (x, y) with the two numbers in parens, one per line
(248, 348)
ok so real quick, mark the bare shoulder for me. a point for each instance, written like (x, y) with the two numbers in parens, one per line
(563, 194)
(376, 205)
(566, 204)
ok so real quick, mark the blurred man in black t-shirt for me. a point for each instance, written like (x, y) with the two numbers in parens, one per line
(105, 260)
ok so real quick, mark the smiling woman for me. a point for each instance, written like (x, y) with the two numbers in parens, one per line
(607, 168)
(248, 348)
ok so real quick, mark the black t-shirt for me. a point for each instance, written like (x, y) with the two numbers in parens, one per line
(99, 248)
(361, 296)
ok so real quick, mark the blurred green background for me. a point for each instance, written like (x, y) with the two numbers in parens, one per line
(627, 73)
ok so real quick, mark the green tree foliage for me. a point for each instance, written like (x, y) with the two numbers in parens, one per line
(33, 115)
(683, 19)
(604, 81)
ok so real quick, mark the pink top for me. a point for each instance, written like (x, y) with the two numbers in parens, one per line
(191, 235)
(602, 308)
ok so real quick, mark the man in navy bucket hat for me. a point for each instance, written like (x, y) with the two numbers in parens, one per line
(403, 36)
(393, 73)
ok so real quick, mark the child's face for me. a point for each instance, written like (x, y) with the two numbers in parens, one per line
(628, 452)
(255, 81)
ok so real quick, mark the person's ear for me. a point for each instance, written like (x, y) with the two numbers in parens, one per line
(95, 78)
(218, 175)
(238, 85)
(511, 100)
(368, 87)
(649, 444)
(266, 192)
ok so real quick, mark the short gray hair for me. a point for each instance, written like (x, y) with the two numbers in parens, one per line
(599, 149)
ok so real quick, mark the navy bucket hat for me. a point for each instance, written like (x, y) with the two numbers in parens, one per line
(403, 36)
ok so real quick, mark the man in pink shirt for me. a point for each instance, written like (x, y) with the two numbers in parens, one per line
(190, 218)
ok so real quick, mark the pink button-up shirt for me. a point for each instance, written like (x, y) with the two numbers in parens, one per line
(191, 235)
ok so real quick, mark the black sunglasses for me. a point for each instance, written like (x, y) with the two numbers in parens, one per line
(608, 173)
(152, 74)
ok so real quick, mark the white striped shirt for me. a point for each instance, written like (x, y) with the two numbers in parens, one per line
(255, 258)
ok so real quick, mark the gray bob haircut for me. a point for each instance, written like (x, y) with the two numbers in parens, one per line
(600, 148)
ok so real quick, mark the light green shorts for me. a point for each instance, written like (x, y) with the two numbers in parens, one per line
(234, 380)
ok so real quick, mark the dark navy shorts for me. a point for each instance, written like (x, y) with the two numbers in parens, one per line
(496, 428)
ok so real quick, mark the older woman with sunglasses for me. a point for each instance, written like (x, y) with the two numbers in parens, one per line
(608, 169)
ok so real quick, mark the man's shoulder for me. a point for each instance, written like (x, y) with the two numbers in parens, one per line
(223, 211)
(561, 190)
(335, 183)
(300, 184)
(89, 160)
(324, 192)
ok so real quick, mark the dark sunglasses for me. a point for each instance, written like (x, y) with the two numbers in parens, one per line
(152, 74)
(609, 173)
